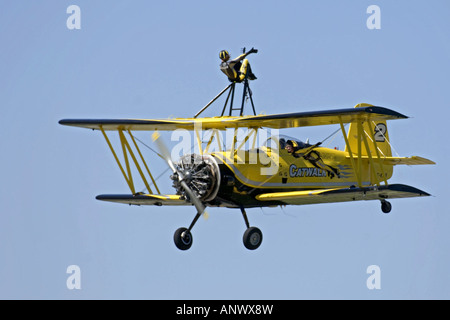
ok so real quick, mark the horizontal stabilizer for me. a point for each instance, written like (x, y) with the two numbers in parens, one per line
(144, 199)
(343, 194)
(414, 160)
(410, 161)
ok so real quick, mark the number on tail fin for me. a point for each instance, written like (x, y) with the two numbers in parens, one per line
(380, 132)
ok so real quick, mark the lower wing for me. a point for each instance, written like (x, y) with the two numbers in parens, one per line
(144, 199)
(343, 194)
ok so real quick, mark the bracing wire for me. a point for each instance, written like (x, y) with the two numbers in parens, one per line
(159, 155)
(334, 133)
(392, 147)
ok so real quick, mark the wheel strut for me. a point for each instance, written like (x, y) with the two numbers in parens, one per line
(183, 237)
(194, 221)
(244, 214)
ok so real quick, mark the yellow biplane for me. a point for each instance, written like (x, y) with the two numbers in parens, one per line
(247, 175)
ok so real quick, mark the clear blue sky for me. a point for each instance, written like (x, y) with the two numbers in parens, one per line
(151, 59)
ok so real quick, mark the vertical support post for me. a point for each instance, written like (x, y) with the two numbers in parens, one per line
(228, 97)
(199, 140)
(255, 138)
(371, 163)
(241, 113)
(251, 100)
(352, 160)
(232, 98)
(359, 152)
(219, 143)
(233, 145)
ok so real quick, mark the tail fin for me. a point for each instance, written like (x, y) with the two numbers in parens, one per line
(377, 138)
(375, 131)
(378, 148)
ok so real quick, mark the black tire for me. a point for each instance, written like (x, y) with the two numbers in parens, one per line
(386, 206)
(252, 238)
(183, 239)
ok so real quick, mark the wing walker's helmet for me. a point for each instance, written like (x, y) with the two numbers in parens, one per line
(224, 55)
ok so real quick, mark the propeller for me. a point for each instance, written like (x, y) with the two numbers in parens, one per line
(165, 154)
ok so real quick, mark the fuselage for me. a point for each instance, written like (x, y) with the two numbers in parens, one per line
(246, 174)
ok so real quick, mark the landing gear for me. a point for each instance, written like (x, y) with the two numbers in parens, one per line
(183, 238)
(386, 206)
(252, 236)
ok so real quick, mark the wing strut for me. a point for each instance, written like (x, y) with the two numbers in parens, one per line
(126, 149)
(378, 154)
(352, 160)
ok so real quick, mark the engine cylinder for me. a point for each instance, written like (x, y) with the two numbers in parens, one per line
(201, 174)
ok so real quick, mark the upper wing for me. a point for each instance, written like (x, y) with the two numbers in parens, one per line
(343, 194)
(276, 121)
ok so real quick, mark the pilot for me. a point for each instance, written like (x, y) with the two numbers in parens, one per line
(234, 69)
(291, 147)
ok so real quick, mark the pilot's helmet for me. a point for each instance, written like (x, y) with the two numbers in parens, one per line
(292, 143)
(224, 55)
